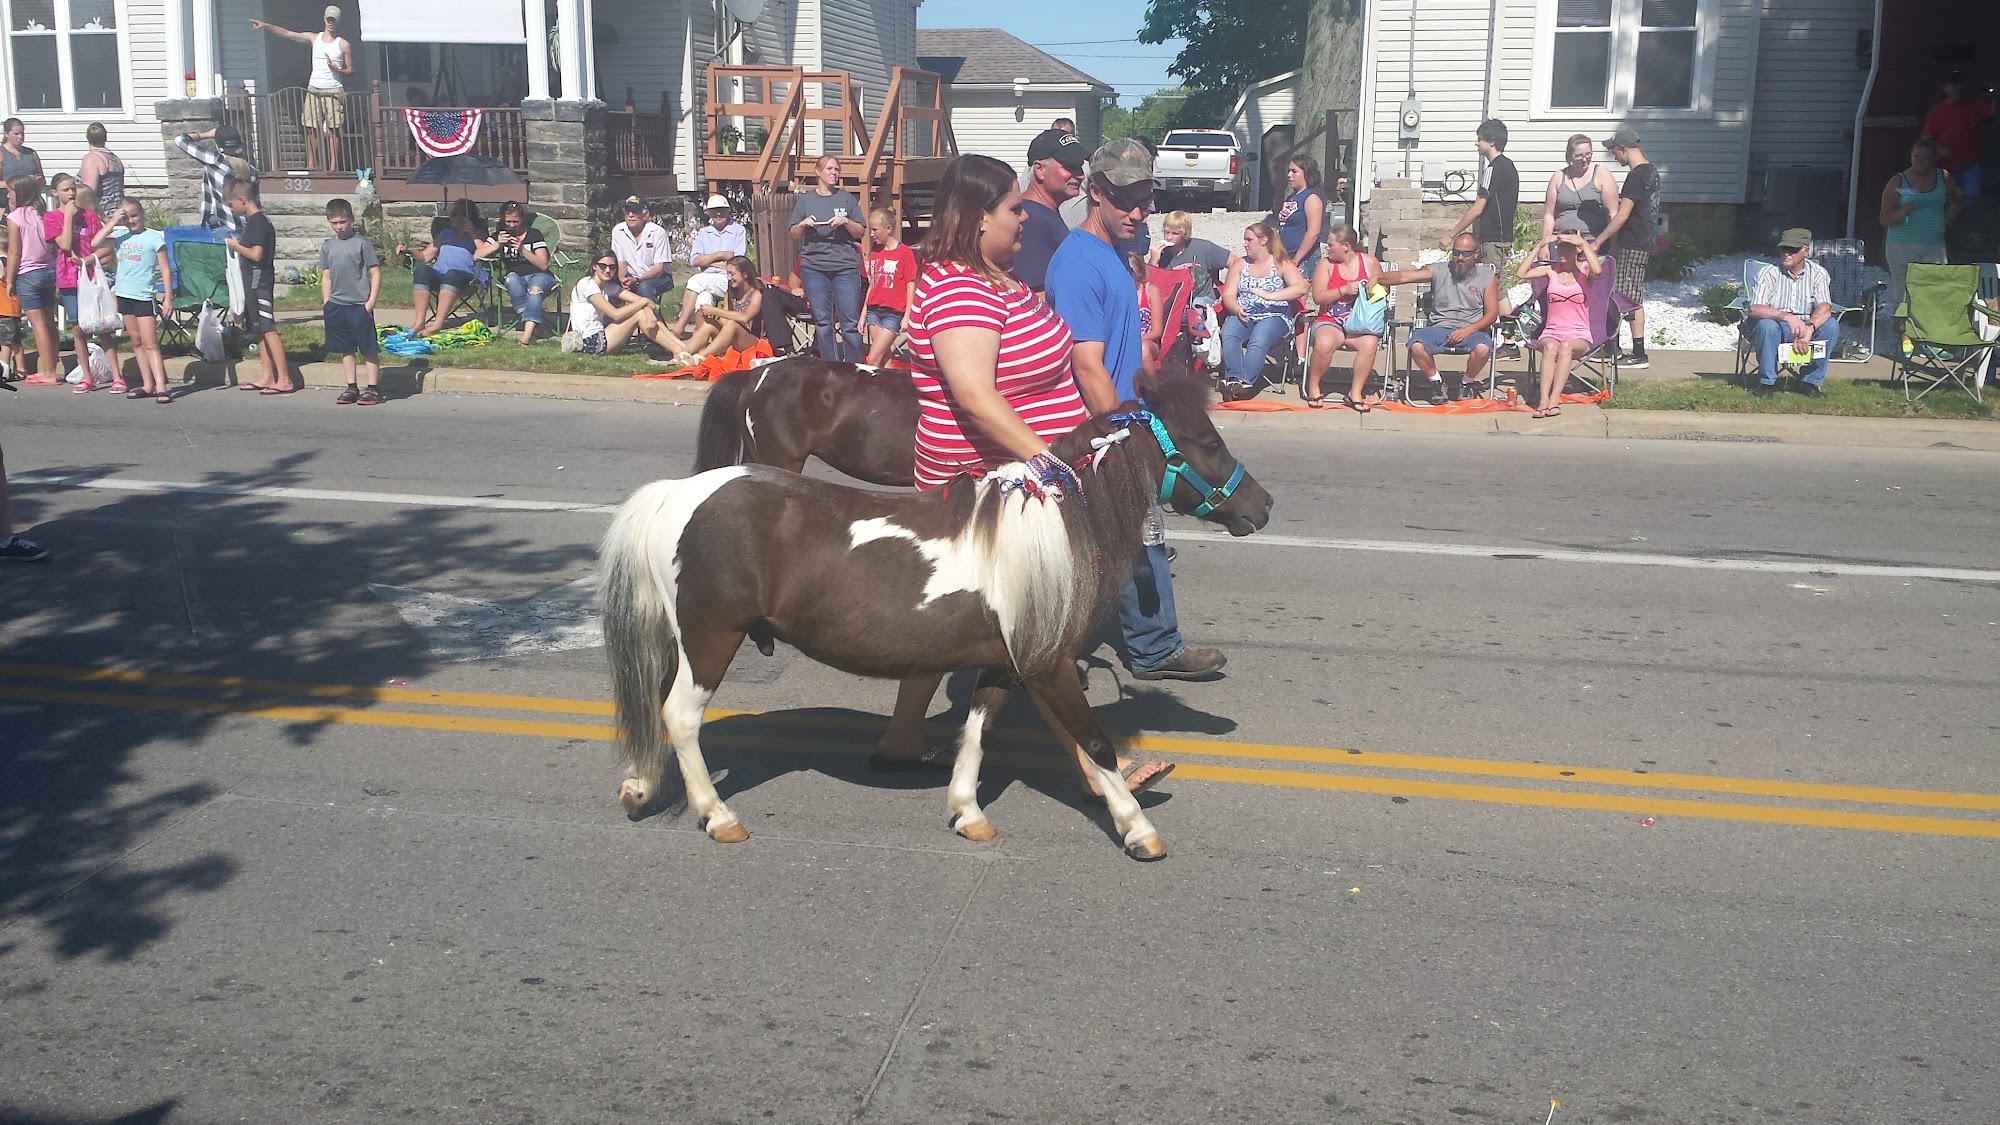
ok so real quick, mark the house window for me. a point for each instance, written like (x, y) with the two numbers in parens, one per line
(1623, 55)
(66, 55)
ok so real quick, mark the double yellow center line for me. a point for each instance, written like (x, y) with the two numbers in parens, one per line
(1795, 803)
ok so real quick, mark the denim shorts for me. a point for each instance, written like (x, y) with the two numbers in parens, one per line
(350, 328)
(425, 276)
(1432, 340)
(36, 288)
(888, 319)
(67, 298)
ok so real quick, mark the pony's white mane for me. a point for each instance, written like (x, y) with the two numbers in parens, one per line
(1026, 566)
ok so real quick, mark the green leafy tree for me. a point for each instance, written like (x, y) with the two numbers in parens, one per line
(1230, 44)
(1150, 119)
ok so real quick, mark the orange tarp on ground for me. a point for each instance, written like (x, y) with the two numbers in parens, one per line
(715, 366)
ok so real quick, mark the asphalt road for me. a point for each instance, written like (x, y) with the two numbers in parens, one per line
(1484, 816)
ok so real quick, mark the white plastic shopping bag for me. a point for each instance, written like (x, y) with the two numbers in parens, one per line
(208, 334)
(96, 308)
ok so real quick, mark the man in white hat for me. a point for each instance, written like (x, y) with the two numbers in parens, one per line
(325, 110)
(722, 239)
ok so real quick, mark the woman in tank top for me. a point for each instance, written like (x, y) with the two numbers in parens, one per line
(1258, 295)
(1581, 192)
(1917, 204)
(1566, 335)
(1337, 284)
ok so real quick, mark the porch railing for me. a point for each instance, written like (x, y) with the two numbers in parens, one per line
(374, 135)
(502, 136)
(640, 144)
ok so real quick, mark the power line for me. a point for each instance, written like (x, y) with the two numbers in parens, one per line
(1082, 42)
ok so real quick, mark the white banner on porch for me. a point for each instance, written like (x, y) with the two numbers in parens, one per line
(443, 21)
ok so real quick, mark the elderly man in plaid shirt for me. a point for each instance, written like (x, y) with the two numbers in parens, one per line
(1790, 304)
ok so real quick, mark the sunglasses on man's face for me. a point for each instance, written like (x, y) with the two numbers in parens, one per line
(1465, 253)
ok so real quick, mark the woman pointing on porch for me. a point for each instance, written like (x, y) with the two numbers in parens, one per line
(991, 364)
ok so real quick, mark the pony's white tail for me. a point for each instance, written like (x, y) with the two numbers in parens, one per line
(1027, 569)
(638, 628)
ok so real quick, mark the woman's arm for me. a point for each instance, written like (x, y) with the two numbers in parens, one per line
(1230, 274)
(1549, 208)
(968, 357)
(1315, 215)
(1295, 282)
(1592, 264)
(1324, 292)
(1894, 210)
(14, 236)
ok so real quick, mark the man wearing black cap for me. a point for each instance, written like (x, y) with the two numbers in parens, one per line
(1628, 237)
(1791, 306)
(645, 258)
(1090, 287)
(219, 164)
(1055, 168)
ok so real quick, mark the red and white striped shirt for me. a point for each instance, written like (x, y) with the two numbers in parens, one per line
(1032, 372)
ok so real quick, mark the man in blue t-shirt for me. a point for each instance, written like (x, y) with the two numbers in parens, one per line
(1055, 161)
(1091, 288)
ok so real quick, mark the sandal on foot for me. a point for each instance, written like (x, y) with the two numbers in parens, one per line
(164, 397)
(278, 391)
(138, 393)
(1140, 776)
(935, 758)
(1360, 405)
(251, 386)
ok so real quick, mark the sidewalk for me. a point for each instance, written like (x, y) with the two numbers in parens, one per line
(1576, 420)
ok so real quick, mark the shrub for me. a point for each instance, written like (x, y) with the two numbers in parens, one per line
(1717, 299)
(1676, 261)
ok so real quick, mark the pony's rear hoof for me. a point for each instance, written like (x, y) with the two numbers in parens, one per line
(729, 833)
(1147, 850)
(981, 829)
(633, 797)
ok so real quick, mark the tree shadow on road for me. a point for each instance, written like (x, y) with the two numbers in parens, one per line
(196, 585)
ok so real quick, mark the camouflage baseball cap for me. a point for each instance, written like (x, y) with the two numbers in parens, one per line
(1122, 162)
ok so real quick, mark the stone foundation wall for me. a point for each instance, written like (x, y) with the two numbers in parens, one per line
(185, 115)
(569, 167)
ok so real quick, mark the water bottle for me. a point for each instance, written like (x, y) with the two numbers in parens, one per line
(1156, 527)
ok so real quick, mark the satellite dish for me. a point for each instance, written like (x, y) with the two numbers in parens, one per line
(744, 11)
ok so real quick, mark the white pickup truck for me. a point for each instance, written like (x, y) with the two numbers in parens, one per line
(1198, 169)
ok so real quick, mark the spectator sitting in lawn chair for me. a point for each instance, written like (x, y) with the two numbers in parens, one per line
(1790, 306)
(603, 316)
(525, 253)
(714, 245)
(1465, 301)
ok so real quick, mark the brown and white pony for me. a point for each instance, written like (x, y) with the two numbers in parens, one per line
(860, 420)
(978, 574)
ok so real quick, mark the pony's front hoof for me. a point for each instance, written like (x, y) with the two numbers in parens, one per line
(1148, 849)
(731, 833)
(981, 829)
(633, 796)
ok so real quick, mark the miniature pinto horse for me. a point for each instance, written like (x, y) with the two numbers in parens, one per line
(860, 420)
(979, 574)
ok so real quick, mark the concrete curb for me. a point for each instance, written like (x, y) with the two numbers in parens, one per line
(1576, 420)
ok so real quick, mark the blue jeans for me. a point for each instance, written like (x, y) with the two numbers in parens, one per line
(651, 287)
(1768, 335)
(527, 303)
(836, 307)
(1246, 343)
(1146, 613)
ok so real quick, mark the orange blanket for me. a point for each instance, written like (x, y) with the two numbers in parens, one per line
(1462, 406)
(716, 366)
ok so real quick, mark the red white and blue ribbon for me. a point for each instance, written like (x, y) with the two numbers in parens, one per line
(443, 132)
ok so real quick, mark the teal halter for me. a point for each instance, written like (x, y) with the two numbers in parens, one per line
(1177, 466)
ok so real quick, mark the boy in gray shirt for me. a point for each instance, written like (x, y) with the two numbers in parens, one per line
(350, 279)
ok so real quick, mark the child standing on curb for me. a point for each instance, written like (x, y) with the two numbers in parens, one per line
(142, 264)
(350, 279)
(10, 307)
(892, 279)
(257, 251)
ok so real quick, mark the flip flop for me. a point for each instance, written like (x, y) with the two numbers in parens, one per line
(250, 386)
(1316, 402)
(935, 758)
(279, 391)
(1360, 406)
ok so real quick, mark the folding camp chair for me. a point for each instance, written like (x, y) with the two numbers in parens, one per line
(200, 265)
(1738, 312)
(1176, 311)
(1846, 263)
(1596, 369)
(1952, 318)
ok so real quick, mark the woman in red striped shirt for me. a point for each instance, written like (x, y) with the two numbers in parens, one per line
(991, 363)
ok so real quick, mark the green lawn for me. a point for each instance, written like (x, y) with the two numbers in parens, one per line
(1844, 398)
(396, 302)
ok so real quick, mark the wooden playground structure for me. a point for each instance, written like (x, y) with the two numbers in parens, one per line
(761, 118)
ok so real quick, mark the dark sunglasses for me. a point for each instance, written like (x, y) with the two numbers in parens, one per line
(1465, 253)
(604, 265)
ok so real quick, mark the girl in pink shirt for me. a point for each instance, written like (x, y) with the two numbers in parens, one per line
(1566, 335)
(71, 229)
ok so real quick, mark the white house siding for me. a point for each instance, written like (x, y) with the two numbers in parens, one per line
(993, 124)
(240, 54)
(1705, 159)
(1808, 83)
(133, 134)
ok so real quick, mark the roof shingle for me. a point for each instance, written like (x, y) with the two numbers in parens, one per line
(988, 56)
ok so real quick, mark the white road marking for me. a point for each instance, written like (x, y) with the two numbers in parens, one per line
(1261, 539)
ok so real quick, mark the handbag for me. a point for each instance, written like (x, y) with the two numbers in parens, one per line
(1370, 315)
(96, 308)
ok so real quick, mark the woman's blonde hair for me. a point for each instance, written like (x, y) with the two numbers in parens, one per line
(1345, 235)
(1269, 235)
(1571, 145)
(1178, 221)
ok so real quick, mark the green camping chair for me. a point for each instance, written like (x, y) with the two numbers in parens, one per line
(1952, 331)
(201, 277)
